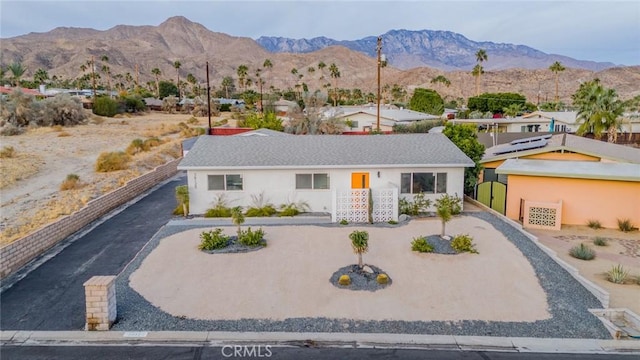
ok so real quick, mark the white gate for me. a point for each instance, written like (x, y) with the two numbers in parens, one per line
(352, 205)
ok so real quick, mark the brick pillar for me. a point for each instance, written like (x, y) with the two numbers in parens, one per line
(100, 295)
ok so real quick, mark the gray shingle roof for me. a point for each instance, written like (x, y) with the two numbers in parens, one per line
(324, 151)
(571, 169)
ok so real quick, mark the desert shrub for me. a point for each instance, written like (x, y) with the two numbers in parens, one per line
(420, 244)
(417, 206)
(9, 129)
(344, 222)
(63, 110)
(133, 103)
(463, 243)
(225, 107)
(151, 143)
(582, 252)
(169, 104)
(600, 241)
(251, 238)
(293, 208)
(625, 225)
(382, 279)
(193, 121)
(112, 161)
(136, 146)
(63, 134)
(57, 128)
(213, 239)
(7, 152)
(105, 106)
(392, 222)
(18, 110)
(594, 224)
(344, 280)
(182, 197)
(188, 132)
(260, 206)
(218, 211)
(617, 274)
(71, 182)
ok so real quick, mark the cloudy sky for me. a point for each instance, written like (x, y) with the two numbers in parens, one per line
(585, 30)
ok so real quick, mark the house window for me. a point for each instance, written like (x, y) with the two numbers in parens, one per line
(312, 181)
(430, 183)
(224, 182)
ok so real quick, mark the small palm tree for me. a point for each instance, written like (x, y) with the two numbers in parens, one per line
(556, 68)
(41, 76)
(360, 244)
(242, 71)
(17, 70)
(445, 209)
(335, 74)
(237, 217)
(182, 196)
(176, 65)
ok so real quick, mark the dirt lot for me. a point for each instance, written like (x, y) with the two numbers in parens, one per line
(623, 248)
(30, 180)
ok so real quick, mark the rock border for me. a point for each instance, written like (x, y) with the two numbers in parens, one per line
(361, 280)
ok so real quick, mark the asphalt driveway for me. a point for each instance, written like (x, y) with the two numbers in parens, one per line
(51, 297)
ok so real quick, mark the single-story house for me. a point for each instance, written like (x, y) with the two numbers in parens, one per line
(551, 193)
(331, 173)
(544, 163)
(365, 118)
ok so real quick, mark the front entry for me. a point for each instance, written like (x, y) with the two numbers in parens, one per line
(359, 180)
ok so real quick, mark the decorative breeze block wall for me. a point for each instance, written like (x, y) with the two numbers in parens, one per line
(542, 215)
(352, 205)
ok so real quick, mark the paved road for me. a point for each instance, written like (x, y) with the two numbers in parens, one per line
(194, 353)
(52, 296)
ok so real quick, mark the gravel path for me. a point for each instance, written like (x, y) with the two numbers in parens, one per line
(568, 304)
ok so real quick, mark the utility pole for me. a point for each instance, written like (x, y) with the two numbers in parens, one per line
(137, 77)
(379, 48)
(208, 100)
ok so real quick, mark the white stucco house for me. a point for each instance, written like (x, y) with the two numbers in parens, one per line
(332, 173)
(365, 118)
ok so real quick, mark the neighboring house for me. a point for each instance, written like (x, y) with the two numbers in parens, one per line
(365, 118)
(282, 107)
(566, 156)
(551, 193)
(331, 173)
(6, 90)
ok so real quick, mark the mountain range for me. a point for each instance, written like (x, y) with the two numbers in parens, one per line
(444, 50)
(136, 50)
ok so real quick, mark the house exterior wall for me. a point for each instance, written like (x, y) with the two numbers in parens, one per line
(365, 120)
(279, 186)
(582, 199)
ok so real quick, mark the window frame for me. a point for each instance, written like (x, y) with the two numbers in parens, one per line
(410, 185)
(313, 181)
(225, 182)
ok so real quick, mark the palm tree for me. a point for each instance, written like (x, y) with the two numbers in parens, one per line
(107, 70)
(176, 65)
(17, 70)
(599, 110)
(267, 65)
(41, 76)
(227, 82)
(444, 209)
(442, 80)
(476, 72)
(156, 72)
(360, 244)
(91, 64)
(556, 68)
(335, 74)
(481, 55)
(242, 72)
(512, 110)
(237, 217)
(321, 66)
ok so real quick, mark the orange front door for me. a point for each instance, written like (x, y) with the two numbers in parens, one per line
(360, 180)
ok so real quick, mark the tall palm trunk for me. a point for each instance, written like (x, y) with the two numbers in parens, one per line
(612, 134)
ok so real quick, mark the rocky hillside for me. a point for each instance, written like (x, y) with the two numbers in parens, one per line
(62, 51)
(444, 50)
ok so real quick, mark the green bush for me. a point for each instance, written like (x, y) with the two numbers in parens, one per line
(251, 238)
(420, 244)
(344, 222)
(600, 241)
(418, 206)
(71, 182)
(217, 212)
(134, 104)
(617, 274)
(112, 161)
(293, 209)
(105, 106)
(463, 243)
(392, 222)
(266, 210)
(213, 239)
(625, 225)
(582, 252)
(594, 224)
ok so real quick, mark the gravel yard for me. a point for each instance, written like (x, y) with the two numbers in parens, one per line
(499, 292)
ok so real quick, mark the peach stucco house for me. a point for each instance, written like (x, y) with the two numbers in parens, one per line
(564, 179)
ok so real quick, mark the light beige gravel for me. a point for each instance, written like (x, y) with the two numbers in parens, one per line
(290, 277)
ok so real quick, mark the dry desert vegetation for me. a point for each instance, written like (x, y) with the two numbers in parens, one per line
(34, 165)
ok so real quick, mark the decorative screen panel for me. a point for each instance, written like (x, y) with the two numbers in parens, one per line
(542, 216)
(352, 205)
(385, 205)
